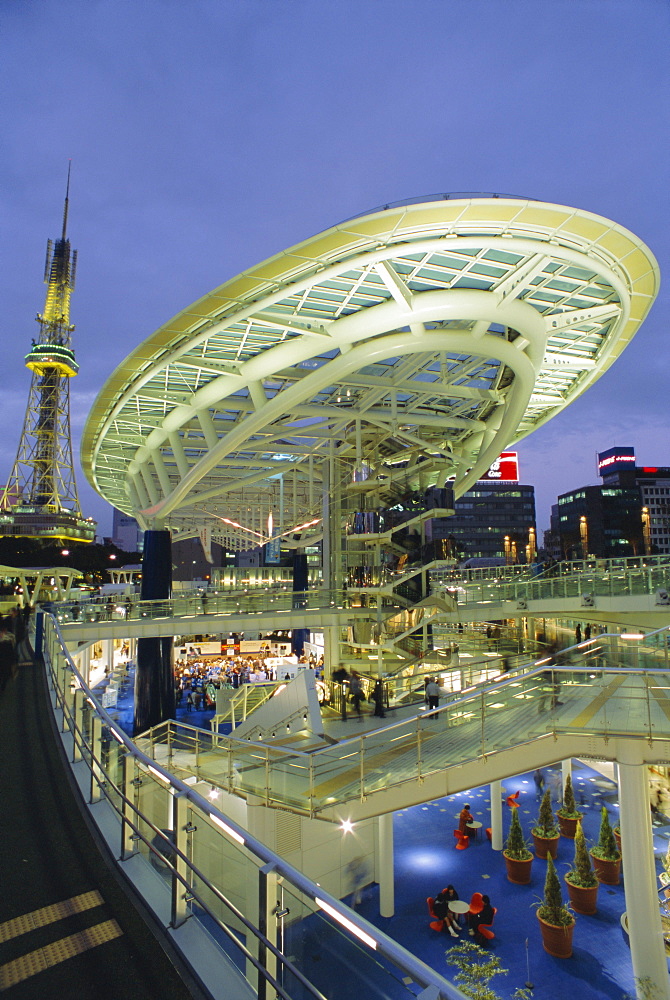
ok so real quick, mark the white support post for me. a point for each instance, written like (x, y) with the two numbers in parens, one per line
(645, 933)
(386, 865)
(108, 654)
(495, 791)
(84, 664)
(566, 771)
(331, 649)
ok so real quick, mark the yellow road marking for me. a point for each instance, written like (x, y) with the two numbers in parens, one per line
(49, 914)
(52, 954)
(608, 692)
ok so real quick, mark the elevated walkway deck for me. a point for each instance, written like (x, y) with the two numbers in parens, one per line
(539, 714)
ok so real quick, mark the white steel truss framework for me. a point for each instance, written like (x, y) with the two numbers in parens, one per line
(418, 342)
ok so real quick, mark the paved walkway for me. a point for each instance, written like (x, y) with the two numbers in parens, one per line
(67, 928)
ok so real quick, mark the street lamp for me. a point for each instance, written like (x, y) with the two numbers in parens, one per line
(531, 548)
(584, 535)
(508, 550)
(646, 531)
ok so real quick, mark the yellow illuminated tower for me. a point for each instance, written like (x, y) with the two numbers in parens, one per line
(40, 499)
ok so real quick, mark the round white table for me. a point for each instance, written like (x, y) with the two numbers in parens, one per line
(475, 825)
(458, 906)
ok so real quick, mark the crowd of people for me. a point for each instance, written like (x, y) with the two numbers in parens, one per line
(197, 680)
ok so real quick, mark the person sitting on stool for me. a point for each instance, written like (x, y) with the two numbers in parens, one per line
(442, 911)
(481, 912)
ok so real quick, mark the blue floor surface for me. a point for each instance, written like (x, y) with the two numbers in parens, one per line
(426, 861)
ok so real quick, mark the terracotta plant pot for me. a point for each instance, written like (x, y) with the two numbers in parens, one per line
(568, 825)
(545, 845)
(518, 871)
(617, 837)
(557, 941)
(606, 871)
(583, 900)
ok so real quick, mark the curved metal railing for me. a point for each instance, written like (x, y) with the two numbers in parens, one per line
(215, 870)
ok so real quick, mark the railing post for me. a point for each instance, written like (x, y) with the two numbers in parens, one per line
(267, 892)
(362, 769)
(311, 786)
(419, 762)
(481, 699)
(97, 774)
(131, 791)
(182, 831)
(78, 730)
(230, 766)
(68, 696)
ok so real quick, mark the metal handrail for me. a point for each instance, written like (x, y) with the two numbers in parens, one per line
(63, 672)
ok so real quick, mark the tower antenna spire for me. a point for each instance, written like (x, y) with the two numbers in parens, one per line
(67, 199)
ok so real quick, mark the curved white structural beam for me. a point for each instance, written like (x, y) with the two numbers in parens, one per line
(419, 341)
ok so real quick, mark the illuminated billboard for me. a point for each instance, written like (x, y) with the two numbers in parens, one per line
(615, 460)
(505, 469)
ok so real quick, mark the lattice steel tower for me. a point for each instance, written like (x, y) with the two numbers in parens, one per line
(40, 499)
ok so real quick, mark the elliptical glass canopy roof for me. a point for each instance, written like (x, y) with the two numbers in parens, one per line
(420, 340)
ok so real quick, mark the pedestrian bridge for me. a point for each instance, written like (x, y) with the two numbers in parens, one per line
(606, 690)
(627, 589)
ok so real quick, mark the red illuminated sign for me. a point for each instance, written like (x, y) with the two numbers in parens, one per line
(505, 469)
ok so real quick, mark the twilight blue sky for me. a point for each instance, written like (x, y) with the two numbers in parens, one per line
(207, 135)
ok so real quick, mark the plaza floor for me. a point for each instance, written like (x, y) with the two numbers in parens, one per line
(426, 861)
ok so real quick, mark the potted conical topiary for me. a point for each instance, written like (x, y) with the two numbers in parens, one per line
(556, 921)
(545, 832)
(581, 880)
(568, 815)
(606, 855)
(518, 858)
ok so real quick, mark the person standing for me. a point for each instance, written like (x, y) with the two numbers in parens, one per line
(578, 633)
(356, 686)
(341, 677)
(464, 818)
(7, 655)
(433, 695)
(378, 698)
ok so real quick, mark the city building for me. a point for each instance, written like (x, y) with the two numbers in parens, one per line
(126, 532)
(494, 520)
(629, 514)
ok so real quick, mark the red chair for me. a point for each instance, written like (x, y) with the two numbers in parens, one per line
(476, 903)
(435, 924)
(489, 833)
(485, 929)
(512, 800)
(462, 840)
